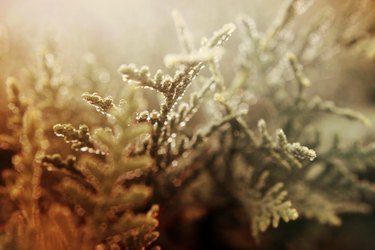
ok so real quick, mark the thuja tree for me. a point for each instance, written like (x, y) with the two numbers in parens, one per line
(239, 169)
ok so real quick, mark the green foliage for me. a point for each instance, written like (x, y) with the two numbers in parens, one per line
(97, 192)
(106, 190)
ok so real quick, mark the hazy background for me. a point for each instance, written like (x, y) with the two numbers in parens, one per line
(142, 32)
(122, 30)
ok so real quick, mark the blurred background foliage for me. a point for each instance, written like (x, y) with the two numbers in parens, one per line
(118, 31)
(89, 35)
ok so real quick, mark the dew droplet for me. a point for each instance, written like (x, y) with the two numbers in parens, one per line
(182, 124)
(84, 149)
